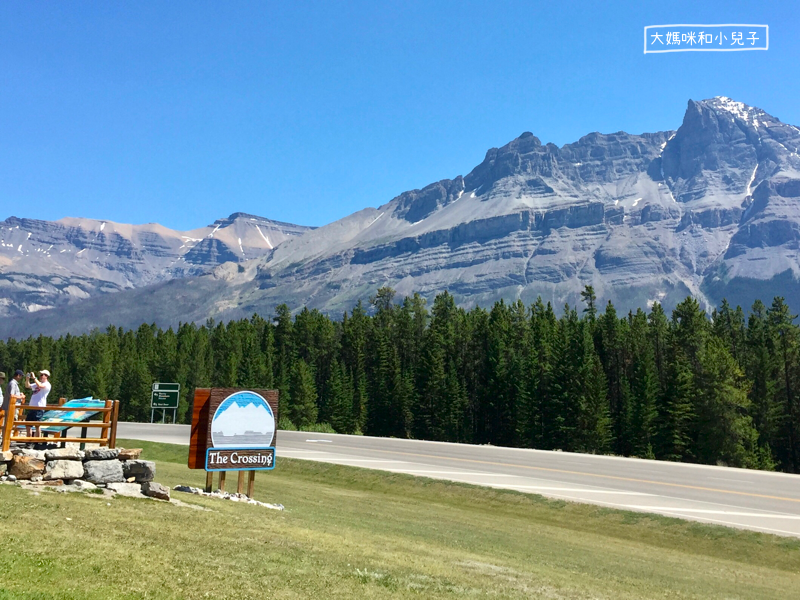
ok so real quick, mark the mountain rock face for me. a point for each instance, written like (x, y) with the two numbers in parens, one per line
(712, 209)
(46, 264)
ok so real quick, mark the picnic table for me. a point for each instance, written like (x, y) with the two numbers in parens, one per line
(76, 417)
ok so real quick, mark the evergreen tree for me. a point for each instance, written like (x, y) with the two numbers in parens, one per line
(303, 394)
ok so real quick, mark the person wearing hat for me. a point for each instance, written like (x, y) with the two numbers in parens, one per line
(13, 393)
(41, 387)
(14, 396)
(3, 406)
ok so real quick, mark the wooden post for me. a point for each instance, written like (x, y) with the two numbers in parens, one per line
(106, 420)
(250, 483)
(8, 426)
(222, 481)
(112, 443)
(61, 401)
(209, 480)
(240, 484)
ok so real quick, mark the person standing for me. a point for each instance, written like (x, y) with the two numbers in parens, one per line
(14, 396)
(41, 388)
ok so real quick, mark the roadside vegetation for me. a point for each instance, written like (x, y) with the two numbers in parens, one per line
(355, 533)
(683, 387)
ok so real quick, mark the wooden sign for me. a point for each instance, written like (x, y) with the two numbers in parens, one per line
(233, 429)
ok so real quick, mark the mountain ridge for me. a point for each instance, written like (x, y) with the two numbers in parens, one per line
(46, 264)
(643, 218)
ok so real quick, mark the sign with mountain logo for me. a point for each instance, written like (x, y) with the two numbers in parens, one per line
(233, 429)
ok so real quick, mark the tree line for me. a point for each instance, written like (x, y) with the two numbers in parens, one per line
(718, 389)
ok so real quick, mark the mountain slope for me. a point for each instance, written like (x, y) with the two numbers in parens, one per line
(47, 264)
(707, 209)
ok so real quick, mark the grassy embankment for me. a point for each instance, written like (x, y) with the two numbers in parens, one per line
(353, 533)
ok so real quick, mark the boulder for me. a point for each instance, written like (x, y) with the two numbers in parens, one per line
(155, 490)
(101, 454)
(25, 467)
(29, 452)
(6, 456)
(83, 486)
(103, 471)
(63, 469)
(130, 453)
(133, 490)
(64, 454)
(142, 470)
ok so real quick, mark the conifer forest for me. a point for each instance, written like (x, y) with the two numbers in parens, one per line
(688, 386)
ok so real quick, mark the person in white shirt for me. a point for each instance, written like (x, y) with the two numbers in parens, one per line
(41, 387)
(2, 383)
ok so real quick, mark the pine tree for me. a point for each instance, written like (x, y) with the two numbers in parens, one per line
(303, 394)
(643, 377)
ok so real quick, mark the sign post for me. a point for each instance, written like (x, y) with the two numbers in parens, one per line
(165, 396)
(233, 430)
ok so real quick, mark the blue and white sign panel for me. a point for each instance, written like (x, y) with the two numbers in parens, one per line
(242, 434)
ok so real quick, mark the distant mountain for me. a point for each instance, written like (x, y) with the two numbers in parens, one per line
(46, 264)
(711, 209)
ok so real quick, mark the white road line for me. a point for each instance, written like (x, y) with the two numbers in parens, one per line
(461, 473)
(738, 525)
(717, 512)
(364, 460)
(582, 491)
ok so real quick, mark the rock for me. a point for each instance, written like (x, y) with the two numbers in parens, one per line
(6, 456)
(11, 478)
(3, 468)
(29, 452)
(132, 490)
(130, 453)
(25, 467)
(142, 470)
(155, 490)
(64, 454)
(129, 479)
(36, 478)
(103, 471)
(64, 469)
(39, 482)
(101, 454)
(83, 486)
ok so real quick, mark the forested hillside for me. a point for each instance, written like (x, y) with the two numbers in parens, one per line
(676, 387)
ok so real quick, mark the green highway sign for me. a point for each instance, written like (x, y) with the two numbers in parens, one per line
(165, 395)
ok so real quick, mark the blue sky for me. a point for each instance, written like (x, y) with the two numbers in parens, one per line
(183, 112)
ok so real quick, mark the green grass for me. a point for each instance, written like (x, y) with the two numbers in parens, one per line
(355, 533)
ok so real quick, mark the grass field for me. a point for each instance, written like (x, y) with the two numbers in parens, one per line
(354, 533)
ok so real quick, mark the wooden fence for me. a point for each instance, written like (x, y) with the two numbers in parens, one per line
(108, 426)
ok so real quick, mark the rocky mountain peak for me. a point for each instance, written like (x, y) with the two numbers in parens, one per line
(709, 209)
(724, 149)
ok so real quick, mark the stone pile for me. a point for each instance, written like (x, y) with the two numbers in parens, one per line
(119, 470)
(219, 494)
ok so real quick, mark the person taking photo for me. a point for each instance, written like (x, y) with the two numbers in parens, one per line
(41, 388)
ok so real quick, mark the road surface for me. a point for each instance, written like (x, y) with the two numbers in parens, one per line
(757, 500)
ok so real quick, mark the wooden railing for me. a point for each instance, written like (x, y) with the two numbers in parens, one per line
(108, 426)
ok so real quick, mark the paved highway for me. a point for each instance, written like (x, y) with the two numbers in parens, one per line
(757, 500)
